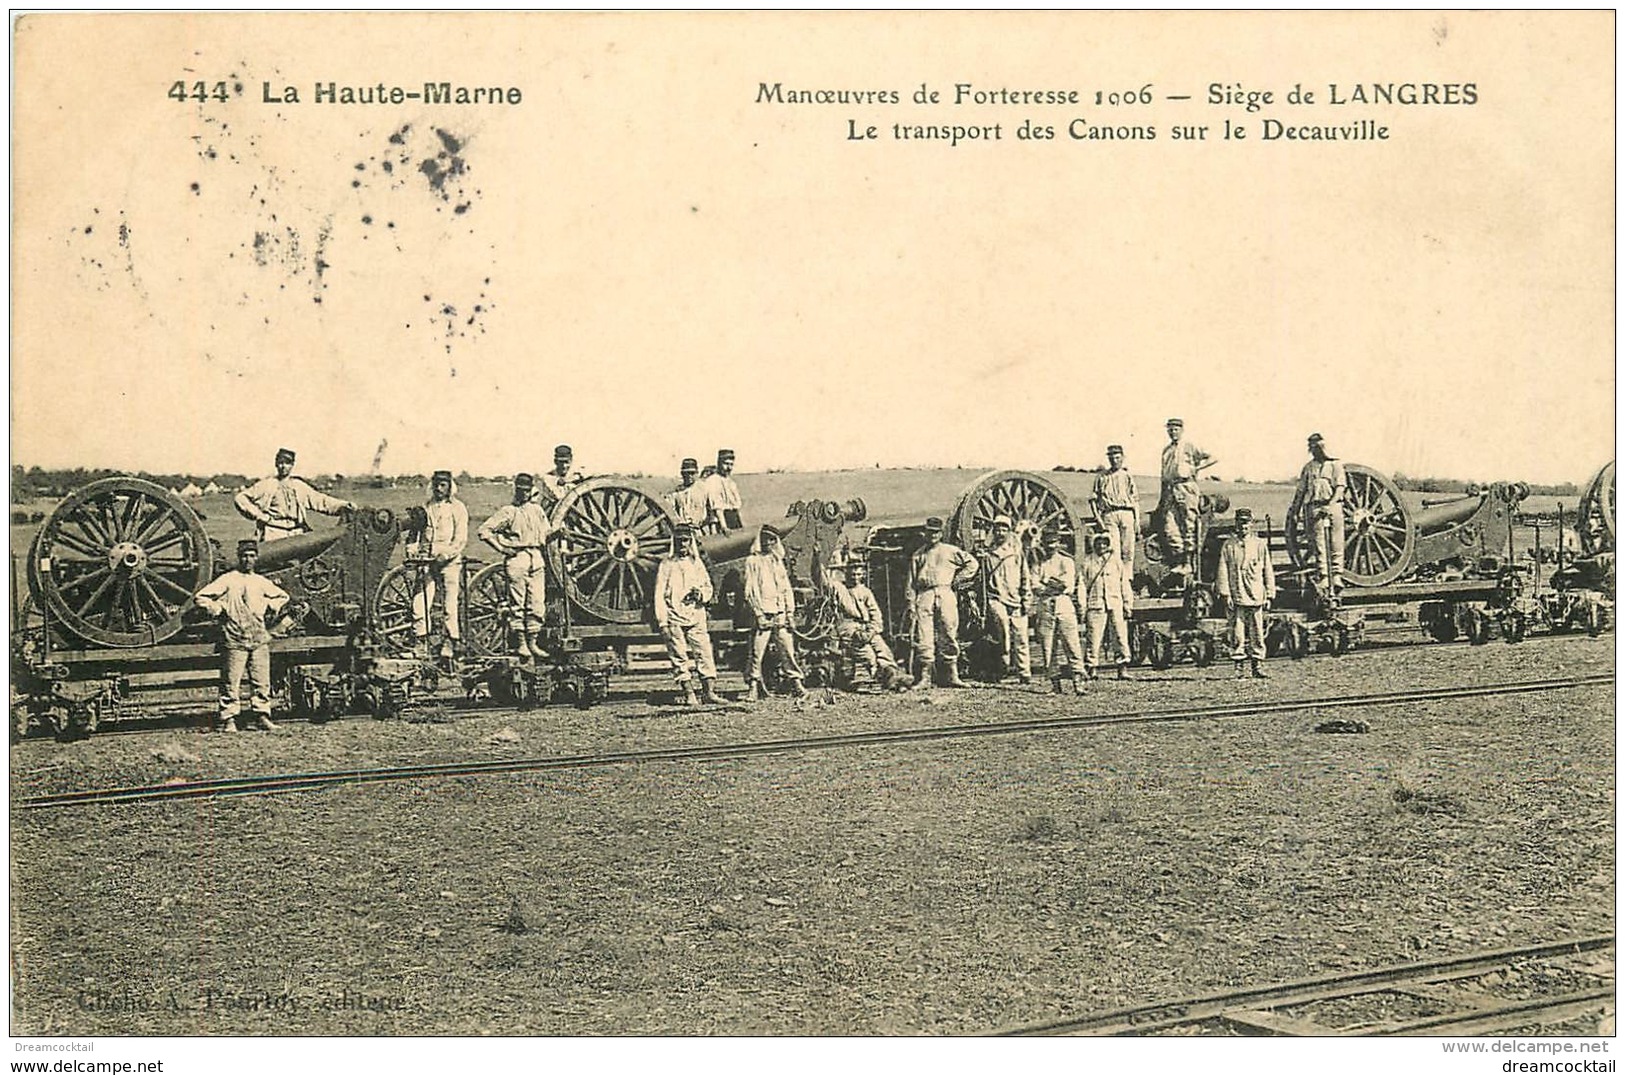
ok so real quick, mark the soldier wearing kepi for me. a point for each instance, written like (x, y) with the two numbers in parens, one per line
(688, 499)
(520, 531)
(772, 604)
(561, 479)
(1247, 583)
(860, 625)
(1320, 499)
(1009, 599)
(445, 535)
(280, 505)
(1107, 599)
(1181, 501)
(936, 570)
(1056, 584)
(1116, 504)
(722, 501)
(246, 603)
(682, 592)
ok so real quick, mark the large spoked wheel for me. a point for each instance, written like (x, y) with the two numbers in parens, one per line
(1032, 501)
(485, 611)
(118, 561)
(397, 593)
(1596, 523)
(1378, 540)
(614, 538)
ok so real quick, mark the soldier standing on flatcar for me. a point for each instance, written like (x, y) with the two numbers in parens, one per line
(246, 603)
(722, 501)
(1116, 503)
(1009, 599)
(861, 625)
(1057, 588)
(1320, 499)
(1247, 583)
(682, 592)
(520, 531)
(445, 535)
(688, 499)
(935, 572)
(1181, 501)
(280, 505)
(1107, 599)
(772, 604)
(561, 479)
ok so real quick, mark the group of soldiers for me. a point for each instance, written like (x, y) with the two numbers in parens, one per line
(1078, 603)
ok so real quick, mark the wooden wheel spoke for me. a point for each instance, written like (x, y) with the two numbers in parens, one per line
(90, 527)
(154, 577)
(601, 583)
(85, 579)
(96, 596)
(144, 588)
(637, 583)
(78, 545)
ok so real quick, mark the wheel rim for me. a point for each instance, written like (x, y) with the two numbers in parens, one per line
(1032, 501)
(1378, 539)
(118, 561)
(392, 608)
(1596, 513)
(614, 538)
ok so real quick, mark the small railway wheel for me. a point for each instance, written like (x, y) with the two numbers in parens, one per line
(1340, 639)
(1203, 650)
(1378, 541)
(118, 560)
(1297, 642)
(1139, 645)
(1480, 626)
(1514, 626)
(614, 538)
(1161, 651)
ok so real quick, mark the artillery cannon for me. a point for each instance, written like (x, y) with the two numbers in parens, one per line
(1596, 513)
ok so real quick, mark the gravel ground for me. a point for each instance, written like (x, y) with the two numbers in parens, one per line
(945, 887)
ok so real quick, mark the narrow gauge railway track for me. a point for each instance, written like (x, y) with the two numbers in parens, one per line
(1442, 994)
(728, 751)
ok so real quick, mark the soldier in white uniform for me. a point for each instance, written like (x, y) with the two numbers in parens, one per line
(561, 479)
(688, 499)
(1247, 583)
(1009, 598)
(1116, 503)
(246, 604)
(772, 604)
(280, 506)
(520, 531)
(861, 625)
(937, 570)
(1056, 585)
(1107, 600)
(682, 592)
(722, 502)
(440, 555)
(1181, 501)
(1320, 498)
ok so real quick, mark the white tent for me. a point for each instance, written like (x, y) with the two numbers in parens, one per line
(191, 492)
(212, 488)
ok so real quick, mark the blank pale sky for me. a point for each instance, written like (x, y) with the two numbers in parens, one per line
(651, 264)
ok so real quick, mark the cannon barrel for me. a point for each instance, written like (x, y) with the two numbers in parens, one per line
(276, 555)
(1439, 516)
(722, 548)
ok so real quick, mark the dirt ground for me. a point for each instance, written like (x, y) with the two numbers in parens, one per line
(948, 887)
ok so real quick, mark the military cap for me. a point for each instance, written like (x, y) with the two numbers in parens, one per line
(855, 563)
(1177, 422)
(1110, 448)
(682, 530)
(563, 452)
(933, 523)
(284, 453)
(446, 474)
(690, 464)
(768, 531)
(1315, 438)
(1101, 539)
(724, 453)
(248, 543)
(1004, 521)
(526, 480)
(1243, 513)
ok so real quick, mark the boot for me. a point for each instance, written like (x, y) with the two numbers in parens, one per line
(1241, 669)
(797, 690)
(448, 649)
(264, 723)
(708, 692)
(953, 675)
(1077, 682)
(1055, 685)
(228, 725)
(689, 697)
(518, 642)
(1122, 671)
(922, 676)
(537, 650)
(755, 692)
(1258, 670)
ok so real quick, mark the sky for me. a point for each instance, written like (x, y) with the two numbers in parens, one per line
(644, 260)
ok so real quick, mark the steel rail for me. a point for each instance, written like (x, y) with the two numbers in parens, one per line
(1166, 1015)
(729, 751)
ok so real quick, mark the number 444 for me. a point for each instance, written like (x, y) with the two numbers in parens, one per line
(199, 91)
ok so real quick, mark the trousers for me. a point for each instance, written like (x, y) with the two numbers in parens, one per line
(689, 647)
(1247, 624)
(1179, 512)
(780, 635)
(257, 662)
(1119, 523)
(869, 651)
(431, 579)
(1058, 621)
(1327, 528)
(936, 609)
(1010, 627)
(527, 589)
(1096, 621)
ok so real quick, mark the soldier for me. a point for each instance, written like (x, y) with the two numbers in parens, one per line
(561, 479)
(520, 531)
(280, 505)
(860, 625)
(1320, 499)
(722, 503)
(1247, 583)
(1057, 588)
(1009, 598)
(1182, 463)
(1107, 599)
(246, 603)
(440, 552)
(772, 604)
(682, 592)
(688, 499)
(934, 573)
(1116, 503)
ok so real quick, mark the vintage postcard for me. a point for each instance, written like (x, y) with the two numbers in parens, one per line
(838, 525)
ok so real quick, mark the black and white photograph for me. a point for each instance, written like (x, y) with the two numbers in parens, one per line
(857, 527)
